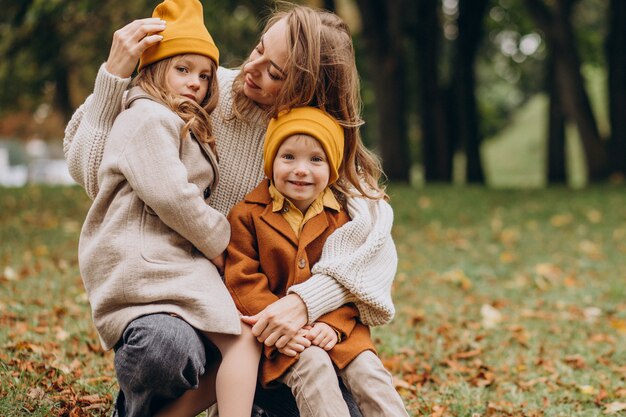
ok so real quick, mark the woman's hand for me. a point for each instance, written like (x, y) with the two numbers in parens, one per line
(322, 335)
(279, 322)
(298, 343)
(129, 42)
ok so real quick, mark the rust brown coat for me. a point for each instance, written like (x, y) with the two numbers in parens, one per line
(265, 258)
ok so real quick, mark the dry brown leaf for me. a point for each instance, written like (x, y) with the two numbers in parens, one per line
(575, 361)
(614, 407)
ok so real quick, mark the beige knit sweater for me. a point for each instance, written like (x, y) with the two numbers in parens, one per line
(359, 261)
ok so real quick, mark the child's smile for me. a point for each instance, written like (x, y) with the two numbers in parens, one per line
(301, 170)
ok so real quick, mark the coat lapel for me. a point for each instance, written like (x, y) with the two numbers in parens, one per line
(261, 195)
(313, 229)
(277, 222)
(212, 160)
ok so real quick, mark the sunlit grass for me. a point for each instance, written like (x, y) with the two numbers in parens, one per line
(509, 303)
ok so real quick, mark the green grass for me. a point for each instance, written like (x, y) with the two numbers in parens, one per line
(509, 303)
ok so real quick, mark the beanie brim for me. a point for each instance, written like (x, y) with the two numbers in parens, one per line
(305, 121)
(178, 46)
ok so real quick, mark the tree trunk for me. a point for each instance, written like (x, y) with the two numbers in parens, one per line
(470, 32)
(62, 92)
(616, 58)
(382, 31)
(425, 32)
(559, 34)
(329, 5)
(556, 129)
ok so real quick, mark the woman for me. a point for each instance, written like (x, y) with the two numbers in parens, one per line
(304, 57)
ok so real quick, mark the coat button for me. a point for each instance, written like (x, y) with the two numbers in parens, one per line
(285, 209)
(207, 192)
(301, 263)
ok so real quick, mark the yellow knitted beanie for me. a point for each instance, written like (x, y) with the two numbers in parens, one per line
(184, 33)
(309, 121)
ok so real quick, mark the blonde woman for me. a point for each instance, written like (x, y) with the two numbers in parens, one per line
(304, 57)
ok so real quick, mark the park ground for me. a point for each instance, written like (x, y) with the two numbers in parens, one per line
(509, 303)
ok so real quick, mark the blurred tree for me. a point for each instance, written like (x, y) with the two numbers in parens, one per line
(52, 49)
(426, 34)
(329, 5)
(384, 34)
(448, 104)
(557, 171)
(555, 22)
(462, 103)
(42, 54)
(616, 58)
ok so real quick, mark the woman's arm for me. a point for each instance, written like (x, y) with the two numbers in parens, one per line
(88, 130)
(358, 264)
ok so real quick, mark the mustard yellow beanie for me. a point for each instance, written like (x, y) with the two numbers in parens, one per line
(184, 33)
(309, 121)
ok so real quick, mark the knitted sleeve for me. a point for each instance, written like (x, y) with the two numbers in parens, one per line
(358, 264)
(89, 128)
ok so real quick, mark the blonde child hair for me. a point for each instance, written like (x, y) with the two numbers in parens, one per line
(153, 80)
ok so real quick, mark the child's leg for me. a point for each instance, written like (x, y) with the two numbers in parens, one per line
(194, 401)
(372, 387)
(314, 383)
(237, 374)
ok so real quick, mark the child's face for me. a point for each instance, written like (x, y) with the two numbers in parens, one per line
(190, 76)
(301, 170)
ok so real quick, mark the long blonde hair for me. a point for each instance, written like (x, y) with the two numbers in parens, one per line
(153, 80)
(321, 72)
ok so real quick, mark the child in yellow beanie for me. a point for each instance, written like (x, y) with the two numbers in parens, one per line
(278, 233)
(151, 248)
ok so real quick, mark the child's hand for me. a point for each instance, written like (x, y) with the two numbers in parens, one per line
(322, 335)
(219, 261)
(297, 343)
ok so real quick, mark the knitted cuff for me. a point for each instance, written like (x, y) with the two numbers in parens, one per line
(321, 294)
(107, 97)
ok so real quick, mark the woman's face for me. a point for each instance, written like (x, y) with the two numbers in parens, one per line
(265, 71)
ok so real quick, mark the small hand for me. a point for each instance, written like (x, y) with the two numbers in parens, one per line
(297, 344)
(322, 335)
(129, 43)
(279, 322)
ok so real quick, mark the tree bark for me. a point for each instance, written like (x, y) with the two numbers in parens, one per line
(425, 32)
(556, 129)
(616, 58)
(329, 5)
(382, 31)
(470, 33)
(559, 34)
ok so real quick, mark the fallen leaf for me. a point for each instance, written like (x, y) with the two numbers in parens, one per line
(575, 361)
(491, 316)
(468, 354)
(614, 407)
(587, 390)
(619, 325)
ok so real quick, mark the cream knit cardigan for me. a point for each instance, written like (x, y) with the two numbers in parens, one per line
(359, 260)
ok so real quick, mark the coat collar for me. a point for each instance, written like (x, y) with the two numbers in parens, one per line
(137, 93)
(312, 229)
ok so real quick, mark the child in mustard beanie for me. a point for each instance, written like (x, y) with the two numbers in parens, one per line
(278, 233)
(151, 248)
